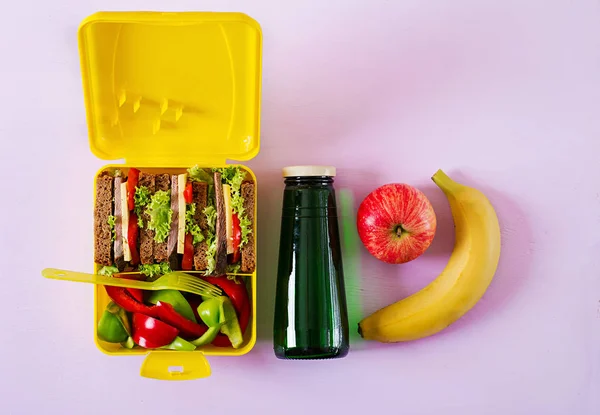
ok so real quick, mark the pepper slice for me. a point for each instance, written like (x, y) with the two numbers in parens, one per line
(210, 313)
(125, 300)
(176, 299)
(151, 333)
(132, 181)
(136, 293)
(113, 326)
(129, 343)
(180, 344)
(237, 293)
(207, 337)
(231, 327)
(219, 315)
(188, 328)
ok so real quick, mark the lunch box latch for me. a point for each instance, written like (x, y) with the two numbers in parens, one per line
(164, 365)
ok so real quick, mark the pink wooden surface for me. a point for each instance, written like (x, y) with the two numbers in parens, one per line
(502, 95)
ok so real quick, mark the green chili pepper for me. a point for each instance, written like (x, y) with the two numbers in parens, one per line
(176, 299)
(180, 344)
(113, 326)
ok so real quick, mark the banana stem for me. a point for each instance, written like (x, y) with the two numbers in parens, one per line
(445, 183)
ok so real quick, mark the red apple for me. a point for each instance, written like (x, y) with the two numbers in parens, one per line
(396, 223)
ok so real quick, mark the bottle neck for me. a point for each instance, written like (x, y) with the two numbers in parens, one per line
(309, 181)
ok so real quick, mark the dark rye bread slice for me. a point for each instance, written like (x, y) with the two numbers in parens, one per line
(220, 231)
(163, 182)
(200, 193)
(173, 232)
(102, 210)
(146, 235)
(118, 214)
(248, 250)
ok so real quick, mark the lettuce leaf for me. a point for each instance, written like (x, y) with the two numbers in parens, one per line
(111, 221)
(191, 226)
(234, 268)
(198, 174)
(161, 214)
(237, 203)
(236, 278)
(155, 270)
(211, 253)
(245, 224)
(141, 198)
(211, 217)
(232, 175)
(108, 271)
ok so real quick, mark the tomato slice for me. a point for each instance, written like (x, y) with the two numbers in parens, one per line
(236, 239)
(132, 181)
(188, 253)
(235, 257)
(132, 237)
(188, 193)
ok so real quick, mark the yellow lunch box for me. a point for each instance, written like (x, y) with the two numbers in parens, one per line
(164, 92)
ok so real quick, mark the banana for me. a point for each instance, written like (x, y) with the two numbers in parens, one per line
(459, 286)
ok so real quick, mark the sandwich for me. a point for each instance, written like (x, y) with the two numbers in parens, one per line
(201, 219)
(235, 196)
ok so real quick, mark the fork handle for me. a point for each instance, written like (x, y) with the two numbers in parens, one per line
(66, 275)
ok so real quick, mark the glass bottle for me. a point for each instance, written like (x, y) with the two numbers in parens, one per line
(311, 317)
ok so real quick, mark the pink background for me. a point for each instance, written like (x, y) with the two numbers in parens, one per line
(501, 95)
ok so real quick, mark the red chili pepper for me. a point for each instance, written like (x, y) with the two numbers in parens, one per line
(236, 239)
(188, 193)
(132, 181)
(132, 237)
(188, 328)
(188, 253)
(123, 298)
(238, 295)
(151, 333)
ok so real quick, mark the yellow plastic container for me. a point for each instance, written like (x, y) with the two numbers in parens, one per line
(164, 92)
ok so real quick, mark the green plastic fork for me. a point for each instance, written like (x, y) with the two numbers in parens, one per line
(175, 280)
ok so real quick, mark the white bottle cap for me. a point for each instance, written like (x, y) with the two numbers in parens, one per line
(298, 171)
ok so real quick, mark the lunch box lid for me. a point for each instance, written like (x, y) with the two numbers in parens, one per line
(172, 88)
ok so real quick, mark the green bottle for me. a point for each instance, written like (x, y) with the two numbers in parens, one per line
(311, 317)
